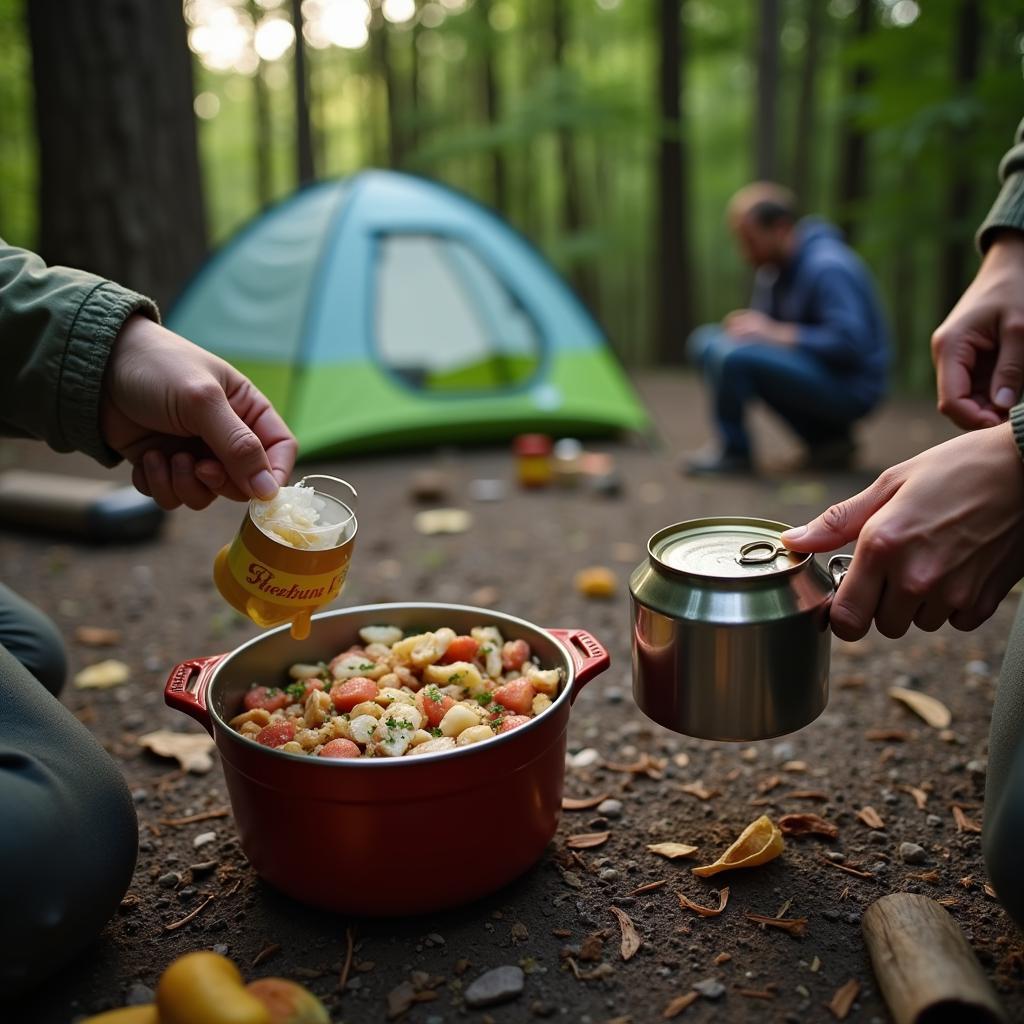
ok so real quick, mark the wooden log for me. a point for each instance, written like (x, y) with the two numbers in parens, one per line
(925, 969)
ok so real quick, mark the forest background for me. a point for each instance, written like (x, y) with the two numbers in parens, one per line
(135, 135)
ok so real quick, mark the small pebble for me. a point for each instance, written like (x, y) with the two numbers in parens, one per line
(496, 986)
(613, 695)
(710, 988)
(889, 797)
(204, 867)
(187, 893)
(829, 914)
(203, 838)
(610, 808)
(978, 668)
(169, 881)
(139, 994)
(782, 752)
(221, 948)
(608, 875)
(139, 795)
(911, 853)
(977, 767)
(836, 856)
(586, 758)
(933, 820)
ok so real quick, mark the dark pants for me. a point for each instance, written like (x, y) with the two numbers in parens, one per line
(809, 396)
(1003, 837)
(68, 832)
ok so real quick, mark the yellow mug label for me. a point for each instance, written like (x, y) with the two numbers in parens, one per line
(277, 587)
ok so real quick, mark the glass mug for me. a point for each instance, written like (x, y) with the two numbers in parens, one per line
(272, 581)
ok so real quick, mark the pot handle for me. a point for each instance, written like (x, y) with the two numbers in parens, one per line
(838, 566)
(191, 700)
(589, 658)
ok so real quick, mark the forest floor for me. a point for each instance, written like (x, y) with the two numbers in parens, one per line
(521, 555)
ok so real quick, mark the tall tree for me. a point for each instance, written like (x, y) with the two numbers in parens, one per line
(260, 126)
(967, 30)
(766, 128)
(492, 102)
(390, 100)
(853, 141)
(119, 185)
(673, 281)
(806, 105)
(305, 165)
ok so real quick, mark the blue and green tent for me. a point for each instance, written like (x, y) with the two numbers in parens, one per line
(386, 310)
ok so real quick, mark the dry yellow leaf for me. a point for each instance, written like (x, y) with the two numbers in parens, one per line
(672, 850)
(760, 842)
(596, 581)
(190, 749)
(871, 817)
(631, 941)
(687, 904)
(102, 675)
(843, 999)
(585, 840)
(931, 709)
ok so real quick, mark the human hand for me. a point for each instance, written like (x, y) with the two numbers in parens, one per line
(978, 350)
(751, 325)
(192, 426)
(941, 536)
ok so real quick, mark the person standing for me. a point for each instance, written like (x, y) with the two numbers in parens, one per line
(812, 346)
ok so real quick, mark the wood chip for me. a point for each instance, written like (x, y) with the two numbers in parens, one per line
(963, 823)
(583, 803)
(848, 869)
(191, 749)
(631, 941)
(649, 887)
(722, 958)
(989, 891)
(586, 840)
(844, 998)
(266, 953)
(931, 877)
(870, 817)
(350, 945)
(646, 764)
(795, 766)
(699, 790)
(807, 825)
(687, 904)
(767, 785)
(948, 901)
(97, 636)
(920, 795)
(103, 675)
(926, 707)
(756, 993)
(672, 850)
(796, 926)
(807, 794)
(887, 735)
(679, 1004)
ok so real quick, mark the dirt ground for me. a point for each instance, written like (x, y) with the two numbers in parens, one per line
(556, 922)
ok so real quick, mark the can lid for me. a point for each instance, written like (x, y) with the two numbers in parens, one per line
(724, 547)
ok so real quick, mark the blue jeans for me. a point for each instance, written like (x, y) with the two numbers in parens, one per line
(812, 399)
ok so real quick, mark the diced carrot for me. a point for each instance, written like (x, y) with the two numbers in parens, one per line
(340, 748)
(270, 698)
(516, 695)
(435, 705)
(277, 734)
(513, 654)
(462, 648)
(513, 722)
(350, 692)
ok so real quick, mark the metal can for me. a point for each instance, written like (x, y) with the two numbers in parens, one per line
(730, 630)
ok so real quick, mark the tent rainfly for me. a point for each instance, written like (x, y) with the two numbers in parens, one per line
(385, 310)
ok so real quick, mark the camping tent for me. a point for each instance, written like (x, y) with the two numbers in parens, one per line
(386, 310)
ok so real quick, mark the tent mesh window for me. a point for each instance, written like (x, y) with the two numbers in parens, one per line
(445, 322)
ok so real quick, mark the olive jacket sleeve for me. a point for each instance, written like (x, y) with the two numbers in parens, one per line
(1008, 209)
(57, 327)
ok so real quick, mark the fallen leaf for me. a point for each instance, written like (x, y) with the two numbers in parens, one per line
(795, 766)
(967, 881)
(807, 794)
(400, 999)
(597, 581)
(699, 790)
(687, 904)
(963, 823)
(931, 709)
(870, 817)
(796, 926)
(679, 1004)
(722, 958)
(887, 735)
(920, 796)
(843, 999)
(631, 941)
(592, 947)
(672, 850)
(760, 842)
(948, 901)
(647, 765)
(586, 840)
(442, 520)
(931, 877)
(649, 887)
(767, 785)
(807, 825)
(97, 636)
(190, 749)
(582, 803)
(989, 891)
(102, 675)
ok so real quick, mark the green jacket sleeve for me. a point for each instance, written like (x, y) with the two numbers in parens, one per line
(1008, 209)
(57, 327)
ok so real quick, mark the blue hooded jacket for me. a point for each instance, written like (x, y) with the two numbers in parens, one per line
(828, 292)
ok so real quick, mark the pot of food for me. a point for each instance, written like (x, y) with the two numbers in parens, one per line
(373, 795)
(730, 630)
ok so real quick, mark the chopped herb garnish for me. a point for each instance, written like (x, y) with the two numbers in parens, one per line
(434, 694)
(455, 677)
(366, 666)
(436, 732)
(483, 699)
(496, 724)
(296, 691)
(273, 691)
(399, 723)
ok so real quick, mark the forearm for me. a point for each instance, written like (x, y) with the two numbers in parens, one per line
(1008, 210)
(57, 326)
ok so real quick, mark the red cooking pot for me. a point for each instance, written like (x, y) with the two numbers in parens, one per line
(348, 835)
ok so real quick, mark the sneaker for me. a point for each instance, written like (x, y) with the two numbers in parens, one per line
(717, 463)
(840, 454)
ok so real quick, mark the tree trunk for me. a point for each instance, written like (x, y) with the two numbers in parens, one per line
(305, 168)
(673, 283)
(966, 49)
(766, 120)
(492, 105)
(806, 106)
(853, 149)
(261, 138)
(119, 186)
